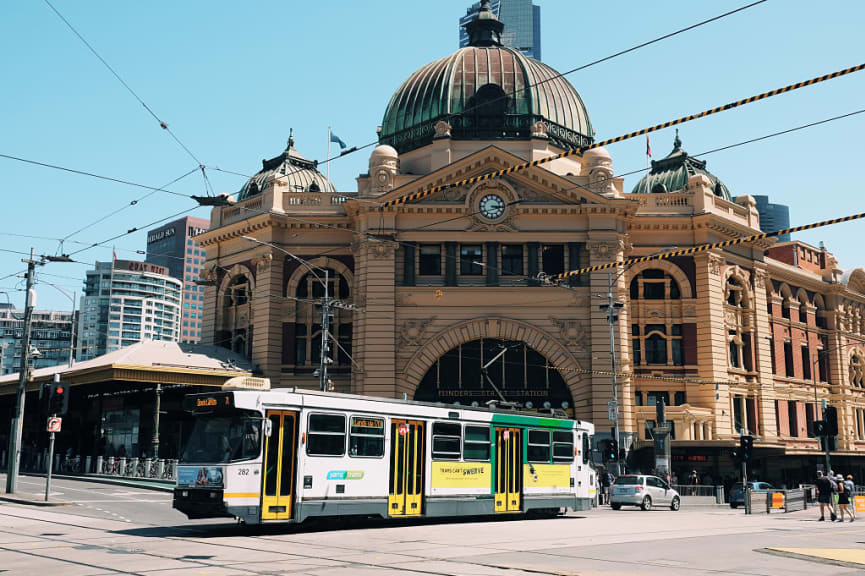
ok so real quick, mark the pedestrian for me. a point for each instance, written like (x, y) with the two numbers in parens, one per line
(693, 480)
(824, 495)
(606, 481)
(843, 498)
(851, 490)
(675, 479)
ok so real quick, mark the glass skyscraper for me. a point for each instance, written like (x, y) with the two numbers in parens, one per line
(522, 21)
(773, 217)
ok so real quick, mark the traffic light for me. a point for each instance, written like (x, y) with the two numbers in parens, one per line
(830, 417)
(58, 399)
(819, 428)
(611, 452)
(746, 445)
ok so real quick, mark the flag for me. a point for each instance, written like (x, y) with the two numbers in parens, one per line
(113, 254)
(338, 140)
(648, 147)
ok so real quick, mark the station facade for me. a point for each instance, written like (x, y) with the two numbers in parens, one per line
(750, 338)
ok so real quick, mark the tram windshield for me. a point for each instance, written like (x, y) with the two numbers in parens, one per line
(223, 437)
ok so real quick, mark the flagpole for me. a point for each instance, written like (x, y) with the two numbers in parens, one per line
(328, 153)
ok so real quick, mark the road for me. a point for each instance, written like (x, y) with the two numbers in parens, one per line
(109, 530)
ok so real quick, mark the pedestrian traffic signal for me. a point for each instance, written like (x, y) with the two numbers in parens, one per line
(746, 445)
(819, 428)
(58, 399)
(830, 417)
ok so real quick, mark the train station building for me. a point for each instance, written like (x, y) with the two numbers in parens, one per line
(753, 337)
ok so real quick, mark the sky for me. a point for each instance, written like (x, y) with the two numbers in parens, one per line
(232, 78)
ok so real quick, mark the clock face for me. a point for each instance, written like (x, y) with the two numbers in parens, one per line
(492, 206)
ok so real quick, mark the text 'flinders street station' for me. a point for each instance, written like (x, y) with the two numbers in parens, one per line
(429, 290)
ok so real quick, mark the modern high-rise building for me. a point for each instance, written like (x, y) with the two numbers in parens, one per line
(522, 21)
(173, 246)
(50, 339)
(773, 217)
(126, 302)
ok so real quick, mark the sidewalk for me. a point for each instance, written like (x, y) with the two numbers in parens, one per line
(39, 500)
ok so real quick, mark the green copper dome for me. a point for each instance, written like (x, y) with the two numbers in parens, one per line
(300, 174)
(671, 174)
(485, 91)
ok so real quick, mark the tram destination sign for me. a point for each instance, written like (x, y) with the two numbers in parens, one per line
(208, 402)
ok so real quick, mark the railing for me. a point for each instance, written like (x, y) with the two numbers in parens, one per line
(73, 464)
(701, 490)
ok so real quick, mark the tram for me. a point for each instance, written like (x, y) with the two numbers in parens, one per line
(286, 455)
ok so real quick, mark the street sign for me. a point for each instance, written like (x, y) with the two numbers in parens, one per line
(612, 412)
(54, 424)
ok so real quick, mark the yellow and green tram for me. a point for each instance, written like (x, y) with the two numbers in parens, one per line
(288, 455)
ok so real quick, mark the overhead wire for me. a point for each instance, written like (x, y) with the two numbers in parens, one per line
(162, 124)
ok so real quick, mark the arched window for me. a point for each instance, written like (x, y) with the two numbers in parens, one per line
(238, 342)
(237, 293)
(654, 284)
(736, 293)
(307, 327)
(739, 339)
(653, 344)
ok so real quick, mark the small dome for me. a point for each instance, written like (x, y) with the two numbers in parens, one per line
(671, 174)
(383, 152)
(596, 156)
(300, 174)
(485, 91)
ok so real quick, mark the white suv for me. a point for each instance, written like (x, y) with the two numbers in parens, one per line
(643, 491)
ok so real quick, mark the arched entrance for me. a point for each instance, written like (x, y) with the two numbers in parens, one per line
(522, 374)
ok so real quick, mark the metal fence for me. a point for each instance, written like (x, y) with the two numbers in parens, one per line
(150, 468)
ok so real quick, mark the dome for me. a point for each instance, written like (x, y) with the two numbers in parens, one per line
(671, 174)
(300, 174)
(485, 91)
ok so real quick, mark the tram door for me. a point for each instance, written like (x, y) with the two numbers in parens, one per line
(406, 468)
(509, 469)
(279, 457)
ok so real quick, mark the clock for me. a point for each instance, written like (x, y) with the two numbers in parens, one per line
(492, 206)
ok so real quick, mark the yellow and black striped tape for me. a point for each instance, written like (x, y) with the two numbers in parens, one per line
(579, 151)
(706, 247)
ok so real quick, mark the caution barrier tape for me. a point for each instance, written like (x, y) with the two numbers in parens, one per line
(580, 150)
(704, 247)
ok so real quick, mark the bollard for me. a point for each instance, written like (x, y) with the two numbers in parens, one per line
(99, 469)
(134, 463)
(121, 468)
(719, 494)
(87, 461)
(3, 458)
(160, 471)
(57, 461)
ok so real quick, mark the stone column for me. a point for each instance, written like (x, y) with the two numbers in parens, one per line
(266, 313)
(378, 337)
(711, 341)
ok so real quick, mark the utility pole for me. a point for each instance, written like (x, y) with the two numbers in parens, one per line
(324, 359)
(23, 379)
(611, 308)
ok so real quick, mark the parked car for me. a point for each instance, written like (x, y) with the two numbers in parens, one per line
(643, 491)
(737, 494)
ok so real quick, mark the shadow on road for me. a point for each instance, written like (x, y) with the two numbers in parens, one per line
(223, 530)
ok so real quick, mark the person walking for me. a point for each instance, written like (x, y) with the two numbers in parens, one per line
(824, 495)
(693, 480)
(851, 490)
(607, 482)
(843, 498)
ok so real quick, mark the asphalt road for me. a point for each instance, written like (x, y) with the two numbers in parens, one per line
(104, 529)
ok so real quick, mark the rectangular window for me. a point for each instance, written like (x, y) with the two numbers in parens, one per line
(553, 258)
(326, 435)
(563, 446)
(788, 359)
(680, 398)
(539, 446)
(470, 260)
(512, 260)
(653, 395)
(366, 437)
(446, 441)
(806, 362)
(476, 445)
(677, 352)
(793, 417)
(587, 449)
(430, 260)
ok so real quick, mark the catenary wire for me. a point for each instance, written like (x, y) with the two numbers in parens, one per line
(578, 151)
(162, 124)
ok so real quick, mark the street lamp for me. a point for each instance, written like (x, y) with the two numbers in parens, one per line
(324, 359)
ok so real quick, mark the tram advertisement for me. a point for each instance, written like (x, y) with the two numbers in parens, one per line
(200, 476)
(547, 475)
(461, 475)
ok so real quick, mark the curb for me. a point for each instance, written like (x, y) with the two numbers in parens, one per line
(31, 502)
(154, 485)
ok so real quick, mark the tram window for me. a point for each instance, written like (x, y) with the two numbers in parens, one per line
(476, 445)
(563, 446)
(539, 446)
(326, 435)
(366, 437)
(587, 448)
(446, 441)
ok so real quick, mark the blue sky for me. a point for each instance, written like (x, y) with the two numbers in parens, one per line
(231, 78)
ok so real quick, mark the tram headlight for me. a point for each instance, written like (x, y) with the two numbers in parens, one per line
(185, 493)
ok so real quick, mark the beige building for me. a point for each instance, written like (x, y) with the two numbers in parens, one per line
(442, 283)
